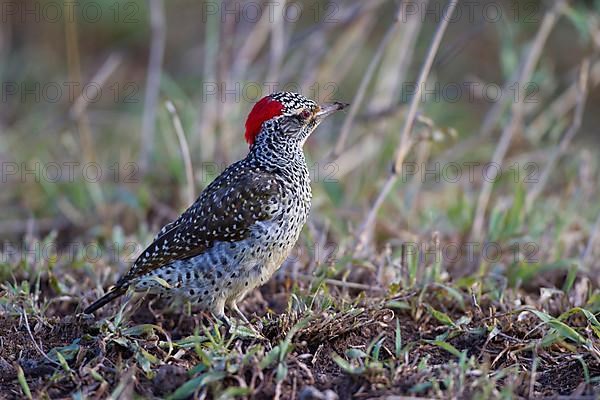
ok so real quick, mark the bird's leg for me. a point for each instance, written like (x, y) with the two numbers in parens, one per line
(223, 319)
(239, 313)
(231, 325)
(234, 307)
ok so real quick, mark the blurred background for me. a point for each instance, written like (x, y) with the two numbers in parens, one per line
(453, 244)
(91, 154)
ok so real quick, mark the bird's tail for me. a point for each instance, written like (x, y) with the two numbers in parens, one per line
(107, 298)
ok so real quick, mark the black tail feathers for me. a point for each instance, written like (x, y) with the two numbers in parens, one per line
(107, 298)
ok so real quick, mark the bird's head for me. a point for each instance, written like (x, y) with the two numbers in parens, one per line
(297, 116)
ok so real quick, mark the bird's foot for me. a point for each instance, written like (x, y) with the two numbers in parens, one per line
(224, 320)
(244, 327)
(239, 313)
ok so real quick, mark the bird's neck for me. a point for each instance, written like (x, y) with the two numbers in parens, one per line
(275, 149)
(278, 159)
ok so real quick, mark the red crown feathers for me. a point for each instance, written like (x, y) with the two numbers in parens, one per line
(262, 111)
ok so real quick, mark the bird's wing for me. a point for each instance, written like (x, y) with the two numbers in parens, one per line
(168, 227)
(225, 212)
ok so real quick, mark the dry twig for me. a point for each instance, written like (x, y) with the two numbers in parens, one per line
(157, 50)
(185, 151)
(35, 343)
(517, 113)
(99, 80)
(406, 142)
(568, 136)
(362, 89)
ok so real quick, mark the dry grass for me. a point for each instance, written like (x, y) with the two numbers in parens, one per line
(362, 309)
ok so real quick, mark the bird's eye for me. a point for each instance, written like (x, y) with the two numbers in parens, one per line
(305, 114)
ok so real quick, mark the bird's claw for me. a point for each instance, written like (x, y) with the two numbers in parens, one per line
(240, 326)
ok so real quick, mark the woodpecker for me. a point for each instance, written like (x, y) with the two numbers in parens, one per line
(244, 224)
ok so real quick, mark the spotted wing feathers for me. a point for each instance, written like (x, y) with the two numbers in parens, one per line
(225, 212)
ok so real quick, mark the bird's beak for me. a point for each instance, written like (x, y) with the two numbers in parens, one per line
(327, 109)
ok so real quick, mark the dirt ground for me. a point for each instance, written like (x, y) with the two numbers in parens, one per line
(101, 361)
